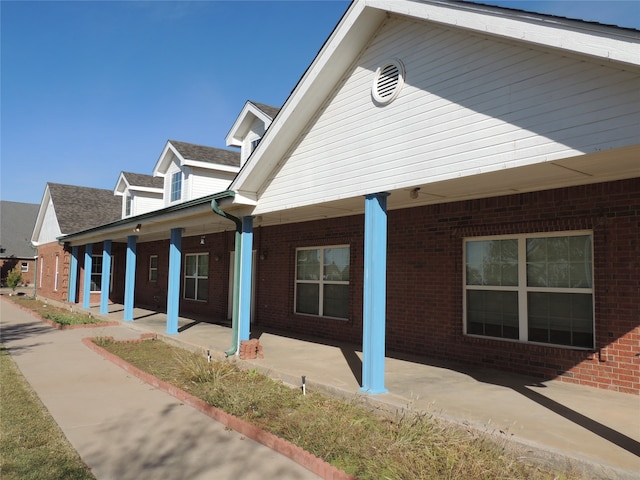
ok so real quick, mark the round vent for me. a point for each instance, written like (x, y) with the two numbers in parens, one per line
(388, 82)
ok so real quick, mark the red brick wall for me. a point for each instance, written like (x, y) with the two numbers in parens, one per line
(154, 294)
(46, 272)
(424, 280)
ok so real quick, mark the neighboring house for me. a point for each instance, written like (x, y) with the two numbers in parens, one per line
(16, 224)
(446, 180)
(67, 209)
(140, 193)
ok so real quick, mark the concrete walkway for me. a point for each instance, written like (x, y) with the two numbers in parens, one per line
(593, 430)
(122, 428)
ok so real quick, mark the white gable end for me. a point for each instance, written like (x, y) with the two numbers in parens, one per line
(470, 105)
(49, 230)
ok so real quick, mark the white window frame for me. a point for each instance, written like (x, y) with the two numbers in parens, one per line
(128, 205)
(196, 277)
(153, 269)
(321, 282)
(96, 260)
(24, 267)
(175, 187)
(57, 273)
(523, 289)
(92, 273)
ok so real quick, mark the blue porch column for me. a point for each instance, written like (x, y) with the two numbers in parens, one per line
(106, 277)
(246, 263)
(86, 287)
(375, 293)
(130, 278)
(173, 287)
(73, 276)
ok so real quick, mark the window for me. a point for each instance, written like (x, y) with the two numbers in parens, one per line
(24, 267)
(196, 276)
(254, 143)
(127, 205)
(532, 288)
(96, 273)
(153, 268)
(176, 186)
(57, 273)
(322, 281)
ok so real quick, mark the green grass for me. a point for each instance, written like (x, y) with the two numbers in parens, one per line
(348, 434)
(58, 315)
(32, 446)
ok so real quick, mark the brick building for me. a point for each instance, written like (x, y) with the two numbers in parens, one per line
(447, 180)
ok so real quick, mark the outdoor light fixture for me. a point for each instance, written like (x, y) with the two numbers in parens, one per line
(413, 194)
(201, 239)
(138, 227)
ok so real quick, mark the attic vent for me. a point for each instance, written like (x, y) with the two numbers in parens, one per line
(388, 82)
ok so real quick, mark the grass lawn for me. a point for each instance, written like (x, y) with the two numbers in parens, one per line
(58, 315)
(350, 435)
(32, 446)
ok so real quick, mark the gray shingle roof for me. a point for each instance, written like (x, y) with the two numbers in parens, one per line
(141, 180)
(80, 208)
(16, 227)
(200, 153)
(268, 109)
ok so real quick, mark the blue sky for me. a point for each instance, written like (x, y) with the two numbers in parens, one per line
(92, 88)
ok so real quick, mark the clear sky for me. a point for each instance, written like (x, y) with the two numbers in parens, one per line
(93, 88)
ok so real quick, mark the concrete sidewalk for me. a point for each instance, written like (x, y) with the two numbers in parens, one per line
(122, 428)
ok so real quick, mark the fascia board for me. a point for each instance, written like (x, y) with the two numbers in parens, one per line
(210, 166)
(160, 169)
(42, 211)
(600, 41)
(121, 185)
(243, 123)
(339, 51)
(145, 189)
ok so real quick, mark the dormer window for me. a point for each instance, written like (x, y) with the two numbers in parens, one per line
(127, 206)
(176, 186)
(254, 144)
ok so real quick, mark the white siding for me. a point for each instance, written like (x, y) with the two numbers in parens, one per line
(256, 132)
(50, 229)
(469, 105)
(146, 202)
(204, 182)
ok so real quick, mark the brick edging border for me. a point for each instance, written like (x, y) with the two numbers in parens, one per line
(307, 460)
(58, 326)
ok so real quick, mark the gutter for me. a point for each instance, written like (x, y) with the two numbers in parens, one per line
(235, 330)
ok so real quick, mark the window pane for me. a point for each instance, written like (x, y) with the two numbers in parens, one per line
(492, 262)
(336, 264)
(561, 318)
(493, 314)
(308, 265)
(153, 275)
(190, 266)
(203, 265)
(203, 289)
(336, 301)
(153, 261)
(560, 262)
(190, 288)
(307, 298)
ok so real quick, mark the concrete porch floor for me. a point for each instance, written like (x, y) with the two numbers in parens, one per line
(595, 430)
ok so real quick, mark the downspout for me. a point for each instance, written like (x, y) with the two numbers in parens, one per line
(236, 274)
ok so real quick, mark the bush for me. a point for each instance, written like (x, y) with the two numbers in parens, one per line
(14, 278)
